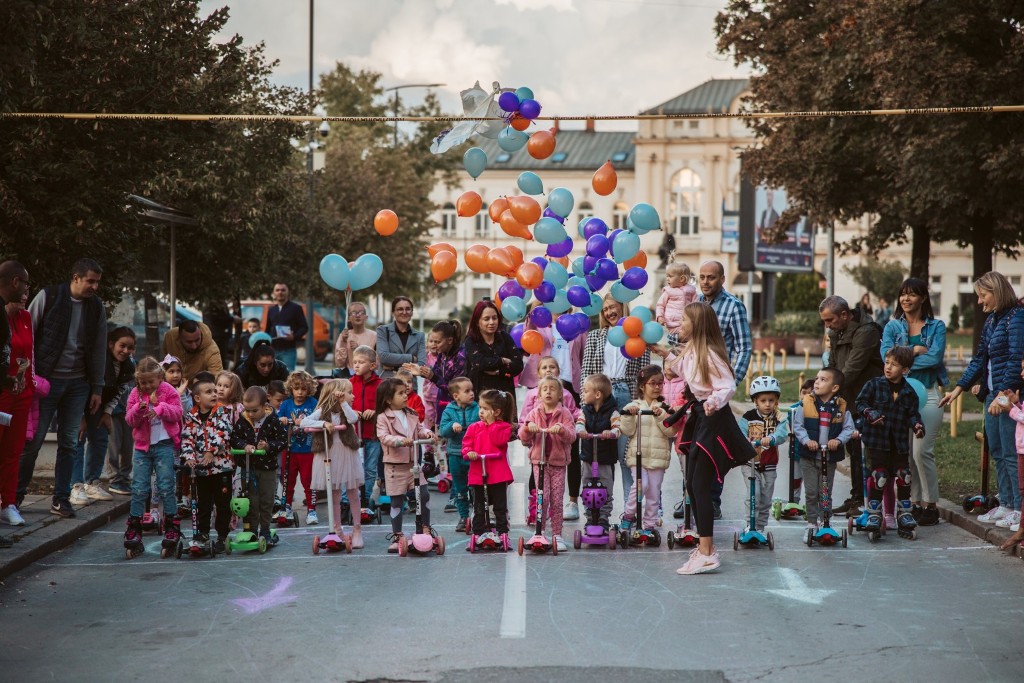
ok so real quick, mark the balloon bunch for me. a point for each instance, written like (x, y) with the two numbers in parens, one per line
(520, 108)
(633, 333)
(351, 277)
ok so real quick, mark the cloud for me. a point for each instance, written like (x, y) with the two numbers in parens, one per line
(526, 5)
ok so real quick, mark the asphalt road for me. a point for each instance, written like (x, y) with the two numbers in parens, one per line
(944, 607)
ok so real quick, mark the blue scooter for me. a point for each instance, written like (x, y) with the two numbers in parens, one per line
(824, 534)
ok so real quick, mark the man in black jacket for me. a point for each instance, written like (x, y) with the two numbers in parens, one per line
(286, 325)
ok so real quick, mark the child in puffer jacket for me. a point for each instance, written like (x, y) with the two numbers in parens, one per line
(677, 293)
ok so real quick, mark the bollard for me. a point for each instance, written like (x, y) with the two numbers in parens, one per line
(807, 359)
(960, 353)
(800, 379)
(783, 354)
(952, 419)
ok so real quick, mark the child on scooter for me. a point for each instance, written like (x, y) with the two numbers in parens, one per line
(334, 411)
(599, 416)
(397, 427)
(458, 415)
(365, 383)
(824, 396)
(277, 393)
(259, 430)
(205, 446)
(173, 376)
(552, 416)
(414, 400)
(1014, 403)
(656, 447)
(299, 453)
(229, 394)
(766, 429)
(490, 436)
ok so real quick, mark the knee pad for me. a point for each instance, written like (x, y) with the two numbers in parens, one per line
(878, 479)
(903, 476)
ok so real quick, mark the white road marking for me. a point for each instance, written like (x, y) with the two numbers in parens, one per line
(513, 611)
(797, 590)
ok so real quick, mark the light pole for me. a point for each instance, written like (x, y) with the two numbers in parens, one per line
(402, 87)
(311, 145)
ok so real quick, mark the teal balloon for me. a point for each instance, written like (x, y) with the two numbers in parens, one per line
(577, 267)
(577, 281)
(556, 274)
(560, 304)
(365, 272)
(513, 308)
(645, 217)
(617, 337)
(922, 393)
(334, 271)
(561, 201)
(622, 293)
(524, 93)
(652, 332)
(632, 227)
(549, 231)
(642, 312)
(475, 161)
(530, 183)
(512, 140)
(596, 304)
(625, 246)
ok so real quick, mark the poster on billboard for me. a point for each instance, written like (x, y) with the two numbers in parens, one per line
(763, 244)
(730, 232)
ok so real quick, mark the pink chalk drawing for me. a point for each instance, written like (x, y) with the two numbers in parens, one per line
(274, 597)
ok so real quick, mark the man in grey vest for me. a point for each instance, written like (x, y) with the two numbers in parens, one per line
(70, 331)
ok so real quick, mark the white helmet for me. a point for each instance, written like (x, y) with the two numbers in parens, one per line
(764, 385)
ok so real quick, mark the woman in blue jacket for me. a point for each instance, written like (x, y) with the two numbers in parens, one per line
(915, 325)
(996, 365)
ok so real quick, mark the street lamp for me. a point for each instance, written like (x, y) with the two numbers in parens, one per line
(402, 87)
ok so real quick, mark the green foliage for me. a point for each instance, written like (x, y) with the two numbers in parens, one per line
(795, 324)
(798, 292)
(967, 319)
(881, 278)
(954, 318)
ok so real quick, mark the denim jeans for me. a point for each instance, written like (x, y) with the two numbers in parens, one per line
(287, 356)
(371, 461)
(1000, 431)
(67, 399)
(620, 392)
(87, 462)
(160, 459)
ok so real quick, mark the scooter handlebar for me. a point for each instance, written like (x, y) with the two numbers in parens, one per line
(313, 430)
(484, 456)
(241, 451)
(423, 442)
(678, 415)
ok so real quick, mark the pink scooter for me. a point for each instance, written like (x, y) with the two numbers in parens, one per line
(332, 542)
(421, 543)
(490, 539)
(539, 543)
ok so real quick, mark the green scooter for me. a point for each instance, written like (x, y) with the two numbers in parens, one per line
(246, 539)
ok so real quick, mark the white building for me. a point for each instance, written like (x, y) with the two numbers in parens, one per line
(684, 168)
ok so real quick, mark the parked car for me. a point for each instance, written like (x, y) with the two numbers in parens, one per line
(323, 344)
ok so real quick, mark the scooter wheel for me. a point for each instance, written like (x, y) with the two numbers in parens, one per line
(262, 545)
(849, 524)
(874, 535)
(440, 544)
(179, 549)
(844, 538)
(577, 539)
(316, 545)
(522, 546)
(506, 544)
(295, 520)
(443, 486)
(771, 541)
(735, 540)
(809, 537)
(403, 547)
(671, 540)
(554, 546)
(227, 547)
(165, 553)
(613, 533)
(472, 543)
(967, 505)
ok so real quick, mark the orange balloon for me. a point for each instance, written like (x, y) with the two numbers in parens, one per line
(385, 222)
(519, 123)
(564, 260)
(512, 227)
(468, 204)
(532, 342)
(443, 266)
(497, 300)
(635, 347)
(526, 210)
(435, 249)
(605, 180)
(638, 261)
(632, 326)
(476, 258)
(516, 253)
(530, 275)
(497, 207)
(541, 144)
(499, 261)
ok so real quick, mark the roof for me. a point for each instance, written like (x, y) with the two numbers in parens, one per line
(583, 149)
(713, 96)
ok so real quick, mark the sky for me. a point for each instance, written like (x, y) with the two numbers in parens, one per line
(579, 56)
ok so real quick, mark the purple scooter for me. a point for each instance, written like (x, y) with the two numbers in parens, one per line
(594, 494)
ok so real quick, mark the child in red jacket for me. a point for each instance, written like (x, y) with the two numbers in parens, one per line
(490, 436)
(364, 401)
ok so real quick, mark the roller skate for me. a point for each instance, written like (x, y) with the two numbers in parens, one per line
(172, 534)
(874, 521)
(133, 538)
(906, 525)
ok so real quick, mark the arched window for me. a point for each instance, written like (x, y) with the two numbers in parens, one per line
(483, 222)
(685, 202)
(619, 214)
(586, 210)
(448, 218)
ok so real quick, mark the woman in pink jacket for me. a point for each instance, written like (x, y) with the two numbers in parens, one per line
(553, 418)
(489, 437)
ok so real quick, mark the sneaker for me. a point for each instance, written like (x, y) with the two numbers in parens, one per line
(890, 522)
(120, 489)
(718, 512)
(994, 515)
(450, 506)
(1009, 520)
(812, 525)
(463, 526)
(219, 547)
(1015, 527)
(700, 564)
(96, 492)
(560, 544)
(626, 524)
(311, 518)
(78, 496)
(62, 508)
(10, 515)
(679, 511)
(571, 512)
(856, 509)
(929, 517)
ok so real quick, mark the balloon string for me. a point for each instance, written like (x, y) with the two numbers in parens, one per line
(257, 118)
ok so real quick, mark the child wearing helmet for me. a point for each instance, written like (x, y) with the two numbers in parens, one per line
(766, 429)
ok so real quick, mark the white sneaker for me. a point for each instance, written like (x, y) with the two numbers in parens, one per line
(700, 564)
(311, 518)
(78, 496)
(1009, 520)
(560, 544)
(571, 512)
(10, 515)
(993, 515)
(1015, 527)
(97, 492)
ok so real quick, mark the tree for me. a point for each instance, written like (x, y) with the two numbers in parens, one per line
(796, 292)
(880, 278)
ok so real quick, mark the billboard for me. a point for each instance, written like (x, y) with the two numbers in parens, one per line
(730, 232)
(763, 245)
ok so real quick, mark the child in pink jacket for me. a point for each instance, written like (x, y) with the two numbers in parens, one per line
(489, 437)
(1014, 401)
(552, 417)
(677, 293)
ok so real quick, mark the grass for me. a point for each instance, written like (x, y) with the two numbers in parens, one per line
(959, 462)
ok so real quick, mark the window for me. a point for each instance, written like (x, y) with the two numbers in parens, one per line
(619, 156)
(448, 218)
(586, 210)
(558, 157)
(479, 294)
(685, 202)
(694, 124)
(483, 222)
(935, 294)
(502, 158)
(619, 215)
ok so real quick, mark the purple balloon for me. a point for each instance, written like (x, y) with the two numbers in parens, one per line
(545, 293)
(540, 261)
(582, 321)
(611, 242)
(568, 327)
(541, 317)
(622, 350)
(517, 332)
(595, 282)
(607, 270)
(597, 246)
(529, 109)
(635, 278)
(595, 226)
(589, 263)
(511, 288)
(560, 249)
(578, 296)
(508, 101)
(548, 213)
